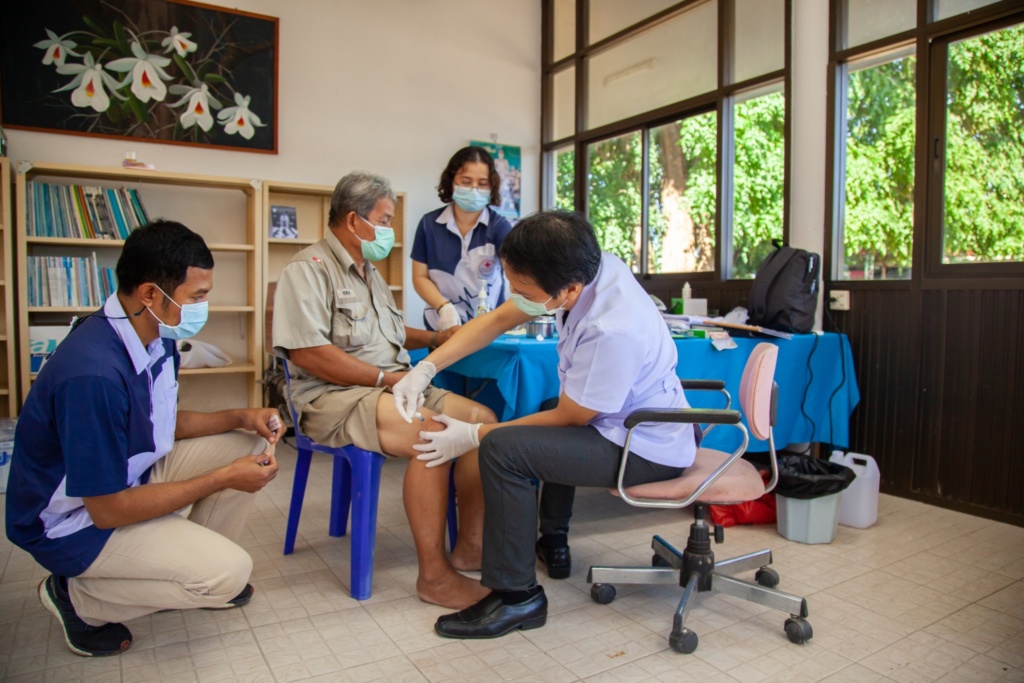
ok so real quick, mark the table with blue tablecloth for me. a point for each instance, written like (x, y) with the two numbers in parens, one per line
(817, 386)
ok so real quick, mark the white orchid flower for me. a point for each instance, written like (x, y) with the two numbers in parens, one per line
(199, 104)
(89, 82)
(146, 73)
(57, 48)
(239, 119)
(179, 42)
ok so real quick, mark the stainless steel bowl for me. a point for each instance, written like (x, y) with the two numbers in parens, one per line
(541, 326)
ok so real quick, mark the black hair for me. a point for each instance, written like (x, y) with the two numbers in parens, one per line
(160, 252)
(468, 155)
(554, 249)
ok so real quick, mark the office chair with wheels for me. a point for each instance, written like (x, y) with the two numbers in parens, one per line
(356, 485)
(714, 478)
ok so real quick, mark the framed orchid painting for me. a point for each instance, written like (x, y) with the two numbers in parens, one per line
(168, 71)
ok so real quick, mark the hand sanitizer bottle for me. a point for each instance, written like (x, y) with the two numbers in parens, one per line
(481, 306)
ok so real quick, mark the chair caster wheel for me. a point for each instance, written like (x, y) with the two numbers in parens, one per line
(659, 561)
(684, 642)
(602, 593)
(798, 630)
(769, 578)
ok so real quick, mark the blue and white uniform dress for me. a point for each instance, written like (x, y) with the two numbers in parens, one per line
(460, 265)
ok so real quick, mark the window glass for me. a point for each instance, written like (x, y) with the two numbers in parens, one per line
(611, 16)
(760, 38)
(948, 8)
(983, 182)
(683, 196)
(878, 209)
(868, 20)
(655, 68)
(614, 195)
(563, 103)
(758, 180)
(565, 29)
(565, 191)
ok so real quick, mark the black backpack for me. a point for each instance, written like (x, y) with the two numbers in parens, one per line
(784, 295)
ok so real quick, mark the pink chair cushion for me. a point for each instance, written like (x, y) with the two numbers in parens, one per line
(739, 484)
(756, 388)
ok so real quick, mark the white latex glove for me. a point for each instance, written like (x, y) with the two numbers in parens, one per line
(409, 390)
(457, 438)
(447, 316)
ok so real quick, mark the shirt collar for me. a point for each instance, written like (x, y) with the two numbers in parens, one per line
(143, 357)
(341, 253)
(583, 303)
(448, 216)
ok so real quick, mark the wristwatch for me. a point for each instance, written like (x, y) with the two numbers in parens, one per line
(380, 379)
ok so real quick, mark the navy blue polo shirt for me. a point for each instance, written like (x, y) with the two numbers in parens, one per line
(93, 424)
(462, 266)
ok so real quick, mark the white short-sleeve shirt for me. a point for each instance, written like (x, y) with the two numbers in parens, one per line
(615, 356)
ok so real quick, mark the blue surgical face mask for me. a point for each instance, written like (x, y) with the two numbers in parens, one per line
(470, 199)
(533, 308)
(193, 317)
(378, 248)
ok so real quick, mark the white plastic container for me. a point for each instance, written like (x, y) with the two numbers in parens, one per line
(860, 499)
(814, 520)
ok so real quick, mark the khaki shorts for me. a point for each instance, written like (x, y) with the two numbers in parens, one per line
(349, 416)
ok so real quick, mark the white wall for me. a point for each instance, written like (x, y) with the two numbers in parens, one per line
(389, 86)
(807, 164)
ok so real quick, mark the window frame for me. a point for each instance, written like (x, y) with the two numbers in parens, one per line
(718, 100)
(929, 39)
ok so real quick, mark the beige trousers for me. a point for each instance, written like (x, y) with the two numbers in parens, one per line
(174, 561)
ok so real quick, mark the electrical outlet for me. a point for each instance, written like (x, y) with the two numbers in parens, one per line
(839, 300)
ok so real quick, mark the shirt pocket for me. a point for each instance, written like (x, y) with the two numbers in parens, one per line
(393, 325)
(351, 325)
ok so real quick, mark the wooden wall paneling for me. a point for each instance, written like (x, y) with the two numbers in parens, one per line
(925, 460)
(884, 346)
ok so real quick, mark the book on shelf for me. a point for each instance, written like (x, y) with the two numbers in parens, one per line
(88, 212)
(43, 341)
(68, 281)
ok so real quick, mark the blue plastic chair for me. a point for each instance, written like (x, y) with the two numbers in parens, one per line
(356, 484)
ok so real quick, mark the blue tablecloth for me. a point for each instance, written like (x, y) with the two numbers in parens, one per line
(817, 386)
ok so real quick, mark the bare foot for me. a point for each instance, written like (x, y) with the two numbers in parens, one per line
(466, 557)
(453, 591)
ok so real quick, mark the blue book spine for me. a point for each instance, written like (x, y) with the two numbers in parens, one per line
(115, 209)
(46, 228)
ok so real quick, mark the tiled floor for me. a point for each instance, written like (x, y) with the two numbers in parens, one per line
(925, 595)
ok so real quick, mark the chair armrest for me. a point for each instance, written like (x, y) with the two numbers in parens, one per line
(702, 384)
(687, 415)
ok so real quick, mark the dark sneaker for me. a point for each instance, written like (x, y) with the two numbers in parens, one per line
(82, 639)
(239, 600)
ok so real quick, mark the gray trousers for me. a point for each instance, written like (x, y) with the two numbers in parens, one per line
(511, 458)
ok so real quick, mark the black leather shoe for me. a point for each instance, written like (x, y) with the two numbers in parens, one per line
(557, 560)
(491, 618)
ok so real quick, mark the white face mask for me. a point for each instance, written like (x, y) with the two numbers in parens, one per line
(535, 308)
(193, 317)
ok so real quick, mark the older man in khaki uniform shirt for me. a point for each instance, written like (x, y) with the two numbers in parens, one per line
(336, 322)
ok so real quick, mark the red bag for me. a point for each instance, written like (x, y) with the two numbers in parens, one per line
(760, 511)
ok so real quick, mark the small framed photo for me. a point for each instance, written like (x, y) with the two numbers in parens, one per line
(282, 223)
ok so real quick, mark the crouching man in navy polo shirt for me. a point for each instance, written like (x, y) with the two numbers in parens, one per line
(104, 461)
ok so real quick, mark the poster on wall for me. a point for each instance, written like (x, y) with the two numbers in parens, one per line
(509, 162)
(165, 71)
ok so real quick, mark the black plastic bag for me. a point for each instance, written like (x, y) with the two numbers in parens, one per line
(804, 477)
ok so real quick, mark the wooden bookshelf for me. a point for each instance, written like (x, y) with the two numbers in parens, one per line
(312, 206)
(226, 212)
(8, 371)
